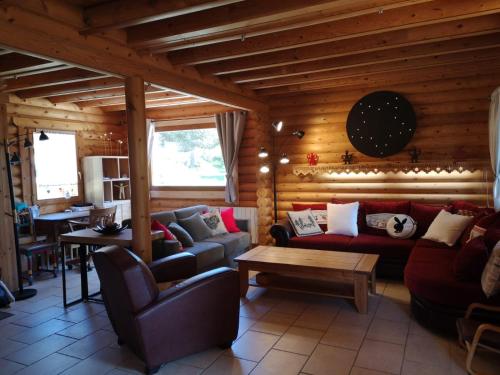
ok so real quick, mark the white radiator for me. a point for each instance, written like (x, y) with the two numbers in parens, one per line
(250, 214)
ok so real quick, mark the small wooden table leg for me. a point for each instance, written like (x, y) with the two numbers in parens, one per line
(244, 275)
(361, 292)
(373, 282)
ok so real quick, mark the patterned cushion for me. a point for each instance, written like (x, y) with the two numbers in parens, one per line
(304, 223)
(490, 279)
(214, 222)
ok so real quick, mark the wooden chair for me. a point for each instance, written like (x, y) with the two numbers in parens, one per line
(474, 334)
(97, 216)
(34, 245)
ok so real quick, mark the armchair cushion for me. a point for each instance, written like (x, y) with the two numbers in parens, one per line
(174, 267)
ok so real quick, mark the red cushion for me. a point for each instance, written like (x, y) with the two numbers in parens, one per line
(227, 215)
(469, 262)
(167, 234)
(386, 247)
(361, 213)
(424, 215)
(491, 237)
(380, 207)
(305, 206)
(464, 206)
(321, 242)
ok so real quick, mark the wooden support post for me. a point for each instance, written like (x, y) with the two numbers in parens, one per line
(7, 245)
(138, 159)
(264, 182)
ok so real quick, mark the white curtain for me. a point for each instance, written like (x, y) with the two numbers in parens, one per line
(230, 127)
(494, 133)
(150, 129)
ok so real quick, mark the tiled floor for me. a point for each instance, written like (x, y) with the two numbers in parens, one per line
(280, 333)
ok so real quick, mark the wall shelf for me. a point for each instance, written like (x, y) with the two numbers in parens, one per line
(395, 167)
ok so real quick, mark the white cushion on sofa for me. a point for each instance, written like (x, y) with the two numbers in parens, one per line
(304, 223)
(343, 219)
(447, 227)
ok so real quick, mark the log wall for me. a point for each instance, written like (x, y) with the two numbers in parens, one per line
(452, 124)
(90, 126)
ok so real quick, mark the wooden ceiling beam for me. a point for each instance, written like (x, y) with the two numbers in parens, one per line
(233, 17)
(13, 63)
(157, 104)
(398, 65)
(454, 47)
(96, 94)
(58, 77)
(187, 111)
(422, 34)
(467, 72)
(76, 87)
(228, 29)
(393, 19)
(125, 13)
(24, 30)
(115, 100)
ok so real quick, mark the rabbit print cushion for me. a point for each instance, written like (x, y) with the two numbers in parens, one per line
(401, 226)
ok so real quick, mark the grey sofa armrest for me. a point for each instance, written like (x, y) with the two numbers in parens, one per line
(282, 232)
(243, 224)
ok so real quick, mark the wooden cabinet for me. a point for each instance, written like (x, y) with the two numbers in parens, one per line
(107, 183)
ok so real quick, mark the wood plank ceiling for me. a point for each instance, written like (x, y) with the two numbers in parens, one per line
(271, 47)
(32, 77)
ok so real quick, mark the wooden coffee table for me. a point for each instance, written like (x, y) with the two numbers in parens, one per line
(334, 273)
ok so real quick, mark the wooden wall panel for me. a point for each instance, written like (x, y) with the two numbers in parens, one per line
(452, 124)
(92, 127)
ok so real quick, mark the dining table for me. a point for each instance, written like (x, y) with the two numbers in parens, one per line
(89, 238)
(54, 223)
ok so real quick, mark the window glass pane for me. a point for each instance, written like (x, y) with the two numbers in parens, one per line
(55, 166)
(187, 158)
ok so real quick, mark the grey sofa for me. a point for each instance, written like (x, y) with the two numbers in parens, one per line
(210, 253)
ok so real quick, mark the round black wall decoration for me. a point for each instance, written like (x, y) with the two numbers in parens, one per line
(381, 124)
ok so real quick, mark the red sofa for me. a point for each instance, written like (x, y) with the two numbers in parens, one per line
(438, 296)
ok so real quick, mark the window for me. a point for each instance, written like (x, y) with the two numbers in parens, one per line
(190, 157)
(55, 166)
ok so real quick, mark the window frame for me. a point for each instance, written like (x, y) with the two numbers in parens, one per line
(34, 189)
(165, 128)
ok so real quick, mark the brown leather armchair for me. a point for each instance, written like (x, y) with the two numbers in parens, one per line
(160, 326)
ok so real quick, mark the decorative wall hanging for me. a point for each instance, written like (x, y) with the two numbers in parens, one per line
(312, 158)
(347, 158)
(414, 154)
(395, 167)
(381, 124)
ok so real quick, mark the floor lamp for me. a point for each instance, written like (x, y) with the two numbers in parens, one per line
(22, 293)
(276, 157)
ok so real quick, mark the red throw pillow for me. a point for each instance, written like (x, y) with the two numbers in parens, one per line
(424, 215)
(227, 216)
(470, 260)
(305, 206)
(167, 234)
(361, 213)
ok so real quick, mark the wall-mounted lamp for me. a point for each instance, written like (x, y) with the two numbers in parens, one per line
(278, 125)
(263, 153)
(14, 158)
(264, 169)
(277, 157)
(43, 136)
(284, 158)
